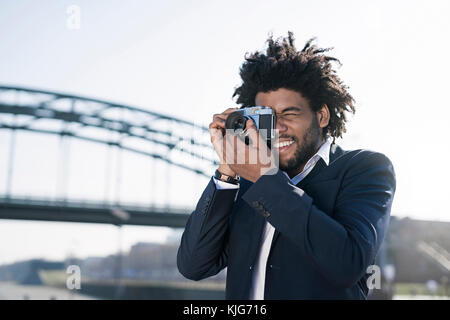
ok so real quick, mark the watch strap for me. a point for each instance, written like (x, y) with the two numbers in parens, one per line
(225, 178)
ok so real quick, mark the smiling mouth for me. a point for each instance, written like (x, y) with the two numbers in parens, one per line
(283, 145)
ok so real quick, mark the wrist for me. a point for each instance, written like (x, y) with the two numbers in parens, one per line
(226, 178)
(226, 170)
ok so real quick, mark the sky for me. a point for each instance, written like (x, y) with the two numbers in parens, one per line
(182, 58)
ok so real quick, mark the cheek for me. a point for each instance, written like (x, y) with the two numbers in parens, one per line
(297, 130)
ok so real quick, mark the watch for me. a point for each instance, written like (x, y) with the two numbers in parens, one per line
(226, 178)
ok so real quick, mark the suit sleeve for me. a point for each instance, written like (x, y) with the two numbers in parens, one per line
(203, 249)
(342, 246)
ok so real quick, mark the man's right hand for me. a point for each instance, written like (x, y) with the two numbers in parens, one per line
(217, 132)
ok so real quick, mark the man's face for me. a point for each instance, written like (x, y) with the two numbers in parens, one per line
(299, 131)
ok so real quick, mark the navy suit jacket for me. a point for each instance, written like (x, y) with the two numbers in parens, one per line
(328, 229)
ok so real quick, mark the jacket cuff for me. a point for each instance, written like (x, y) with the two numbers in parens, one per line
(277, 199)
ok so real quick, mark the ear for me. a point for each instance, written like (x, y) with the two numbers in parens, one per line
(323, 116)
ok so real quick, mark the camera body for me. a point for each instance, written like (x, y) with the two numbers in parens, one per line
(264, 119)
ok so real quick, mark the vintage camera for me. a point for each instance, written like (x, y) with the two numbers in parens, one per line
(264, 119)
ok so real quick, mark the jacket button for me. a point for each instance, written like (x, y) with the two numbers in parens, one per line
(251, 267)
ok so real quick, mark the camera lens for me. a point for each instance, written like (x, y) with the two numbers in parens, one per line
(236, 121)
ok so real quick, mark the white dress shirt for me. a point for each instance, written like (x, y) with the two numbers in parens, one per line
(259, 273)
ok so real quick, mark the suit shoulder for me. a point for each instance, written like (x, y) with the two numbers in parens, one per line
(374, 157)
(362, 157)
(365, 162)
(368, 165)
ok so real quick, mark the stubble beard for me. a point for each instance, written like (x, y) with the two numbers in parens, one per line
(304, 150)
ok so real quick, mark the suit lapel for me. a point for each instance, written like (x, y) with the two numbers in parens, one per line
(320, 165)
(335, 152)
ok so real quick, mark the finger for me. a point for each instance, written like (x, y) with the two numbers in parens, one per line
(216, 135)
(225, 114)
(215, 131)
(229, 151)
(217, 141)
(259, 142)
(236, 149)
(239, 149)
(219, 118)
(252, 131)
(218, 125)
(250, 125)
(229, 110)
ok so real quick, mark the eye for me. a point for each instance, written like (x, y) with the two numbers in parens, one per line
(289, 115)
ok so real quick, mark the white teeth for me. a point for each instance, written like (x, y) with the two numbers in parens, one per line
(283, 144)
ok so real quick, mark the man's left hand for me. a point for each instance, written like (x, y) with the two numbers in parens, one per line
(249, 161)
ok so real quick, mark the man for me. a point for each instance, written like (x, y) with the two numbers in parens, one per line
(311, 229)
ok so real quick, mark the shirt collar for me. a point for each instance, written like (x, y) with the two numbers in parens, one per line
(323, 152)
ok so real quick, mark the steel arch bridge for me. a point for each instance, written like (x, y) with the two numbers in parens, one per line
(159, 136)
